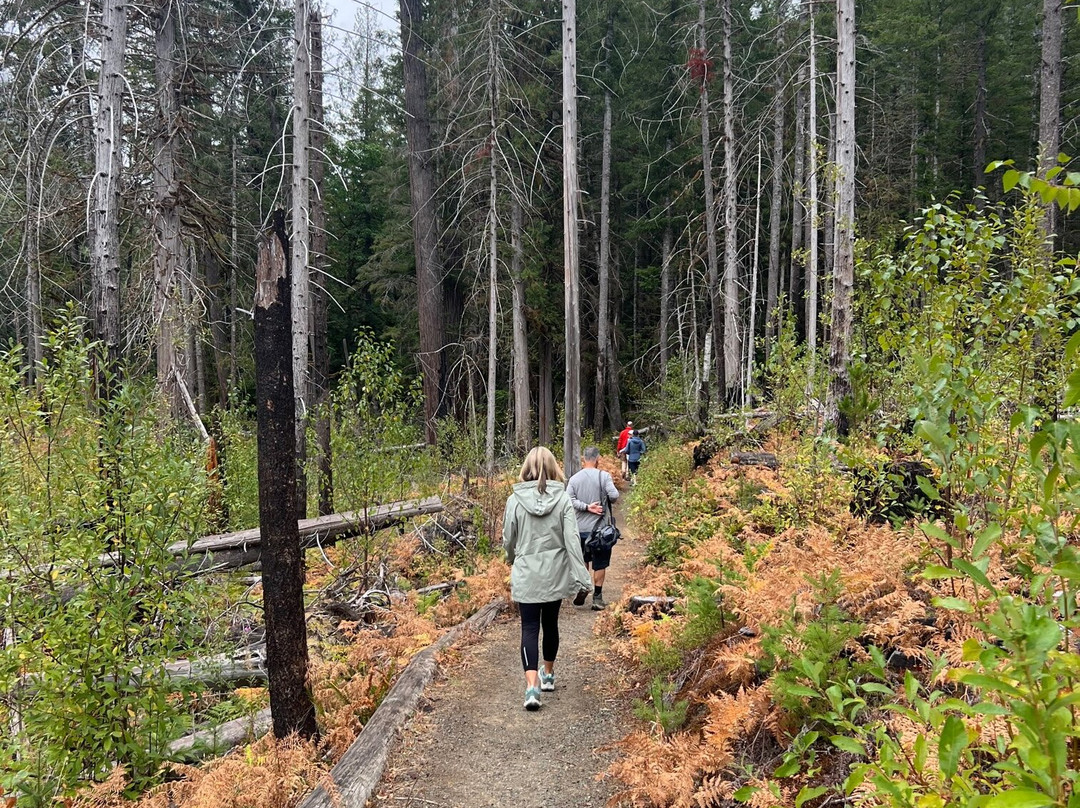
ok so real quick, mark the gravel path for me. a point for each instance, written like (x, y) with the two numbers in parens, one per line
(472, 745)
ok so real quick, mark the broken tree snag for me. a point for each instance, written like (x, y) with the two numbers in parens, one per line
(282, 558)
(353, 780)
(766, 459)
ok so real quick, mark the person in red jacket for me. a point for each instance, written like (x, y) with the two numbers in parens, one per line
(624, 438)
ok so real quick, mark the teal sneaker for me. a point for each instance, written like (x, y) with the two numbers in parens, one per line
(532, 699)
(547, 681)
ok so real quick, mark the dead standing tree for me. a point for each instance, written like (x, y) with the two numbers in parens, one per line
(282, 562)
(104, 224)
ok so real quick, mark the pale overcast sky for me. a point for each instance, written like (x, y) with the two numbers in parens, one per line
(345, 11)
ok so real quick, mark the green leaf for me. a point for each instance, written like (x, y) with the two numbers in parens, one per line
(972, 679)
(802, 690)
(956, 604)
(975, 574)
(987, 536)
(745, 793)
(788, 768)
(1020, 798)
(875, 687)
(854, 780)
(936, 572)
(953, 741)
(808, 793)
(928, 489)
(846, 744)
(1009, 179)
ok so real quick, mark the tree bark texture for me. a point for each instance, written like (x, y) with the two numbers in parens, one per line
(812, 213)
(844, 272)
(797, 267)
(732, 354)
(301, 240)
(522, 424)
(168, 249)
(776, 212)
(320, 296)
(748, 378)
(494, 21)
(105, 195)
(282, 562)
(429, 273)
(546, 404)
(603, 305)
(665, 294)
(571, 202)
(210, 261)
(1050, 100)
(711, 252)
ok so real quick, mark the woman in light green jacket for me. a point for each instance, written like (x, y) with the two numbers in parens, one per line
(540, 535)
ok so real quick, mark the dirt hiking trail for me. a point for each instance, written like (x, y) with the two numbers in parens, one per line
(472, 745)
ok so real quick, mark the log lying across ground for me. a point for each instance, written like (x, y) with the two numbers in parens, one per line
(354, 779)
(221, 738)
(231, 550)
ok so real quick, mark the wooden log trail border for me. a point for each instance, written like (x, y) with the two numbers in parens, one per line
(356, 776)
(230, 550)
(360, 769)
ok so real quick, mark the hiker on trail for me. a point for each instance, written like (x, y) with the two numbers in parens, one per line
(587, 490)
(634, 449)
(540, 535)
(624, 437)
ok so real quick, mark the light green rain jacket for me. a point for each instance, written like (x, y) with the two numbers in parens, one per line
(540, 535)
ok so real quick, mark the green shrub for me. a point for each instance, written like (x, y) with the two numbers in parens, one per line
(85, 644)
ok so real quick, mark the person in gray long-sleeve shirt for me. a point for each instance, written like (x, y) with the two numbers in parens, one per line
(587, 489)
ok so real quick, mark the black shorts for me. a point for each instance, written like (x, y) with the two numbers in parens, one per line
(600, 560)
(634, 465)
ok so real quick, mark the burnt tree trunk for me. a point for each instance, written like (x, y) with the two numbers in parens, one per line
(282, 562)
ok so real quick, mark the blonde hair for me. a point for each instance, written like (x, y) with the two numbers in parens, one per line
(540, 465)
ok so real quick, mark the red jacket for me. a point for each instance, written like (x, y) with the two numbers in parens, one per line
(624, 438)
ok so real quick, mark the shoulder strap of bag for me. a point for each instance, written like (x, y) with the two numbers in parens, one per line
(604, 498)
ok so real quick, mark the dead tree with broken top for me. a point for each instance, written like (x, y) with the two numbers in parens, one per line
(282, 561)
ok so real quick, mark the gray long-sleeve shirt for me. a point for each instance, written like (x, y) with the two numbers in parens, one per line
(587, 486)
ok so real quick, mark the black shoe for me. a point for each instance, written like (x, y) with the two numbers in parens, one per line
(579, 598)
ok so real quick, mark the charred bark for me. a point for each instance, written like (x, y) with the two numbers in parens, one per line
(282, 562)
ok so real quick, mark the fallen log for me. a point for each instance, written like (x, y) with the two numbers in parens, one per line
(354, 779)
(766, 459)
(244, 667)
(221, 738)
(231, 550)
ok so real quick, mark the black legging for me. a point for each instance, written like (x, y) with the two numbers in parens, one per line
(533, 615)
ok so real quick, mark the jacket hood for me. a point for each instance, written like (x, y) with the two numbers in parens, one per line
(533, 501)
